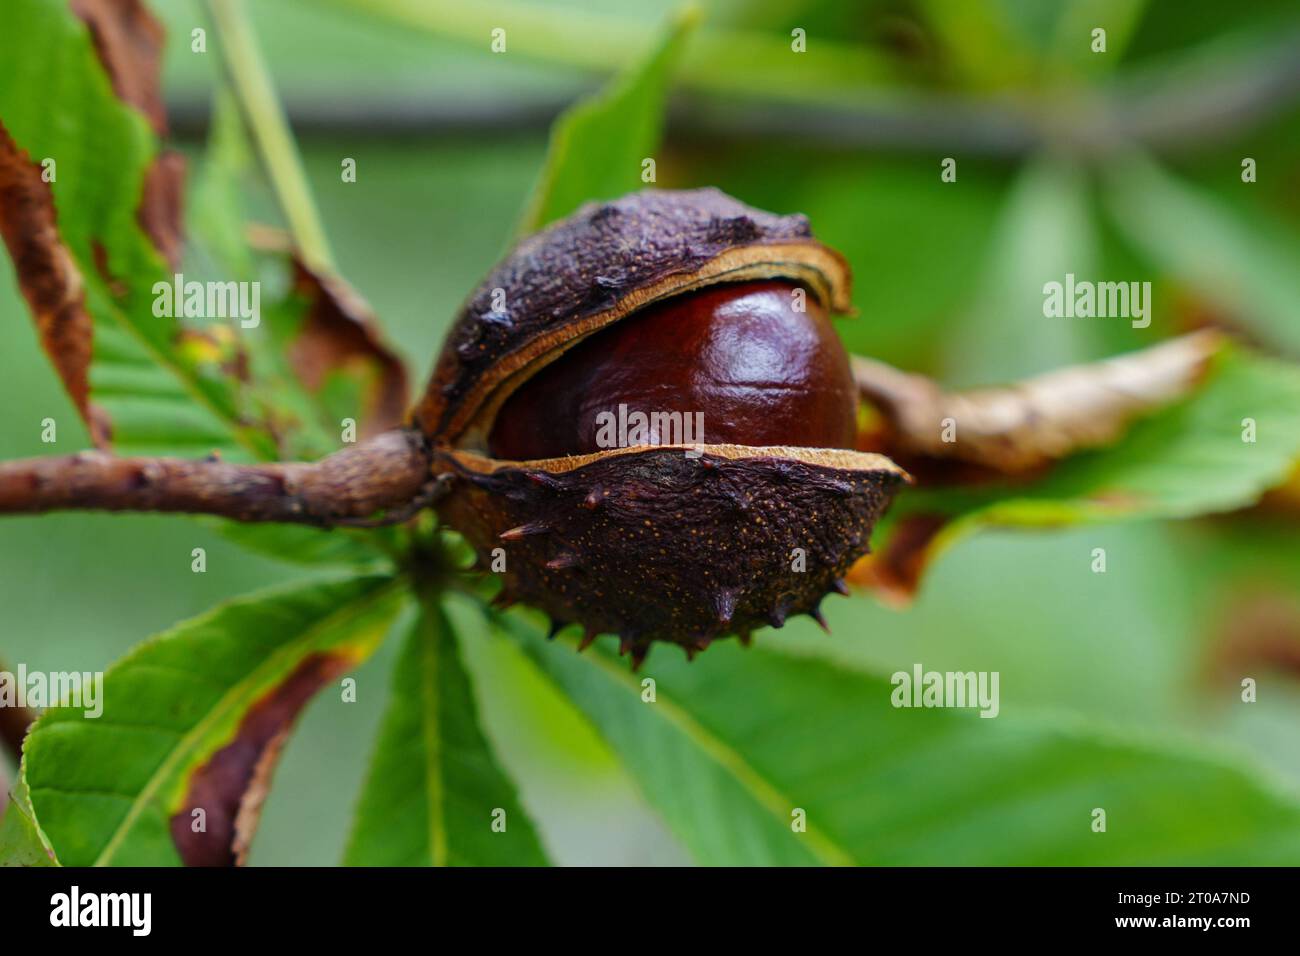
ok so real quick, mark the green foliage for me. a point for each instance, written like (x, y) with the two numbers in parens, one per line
(216, 196)
(434, 788)
(727, 753)
(106, 788)
(21, 842)
(727, 59)
(597, 146)
(736, 742)
(160, 397)
(1245, 269)
(219, 250)
(1186, 460)
(1043, 231)
(302, 544)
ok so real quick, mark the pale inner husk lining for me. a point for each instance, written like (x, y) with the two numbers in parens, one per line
(838, 458)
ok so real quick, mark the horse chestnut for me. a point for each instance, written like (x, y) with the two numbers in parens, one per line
(658, 311)
(755, 363)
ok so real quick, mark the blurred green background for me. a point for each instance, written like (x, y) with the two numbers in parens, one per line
(448, 139)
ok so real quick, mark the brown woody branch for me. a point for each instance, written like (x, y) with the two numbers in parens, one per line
(381, 481)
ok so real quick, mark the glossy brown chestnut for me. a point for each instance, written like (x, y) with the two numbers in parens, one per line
(759, 361)
(666, 303)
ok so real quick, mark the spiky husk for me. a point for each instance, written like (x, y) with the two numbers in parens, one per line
(655, 545)
(647, 542)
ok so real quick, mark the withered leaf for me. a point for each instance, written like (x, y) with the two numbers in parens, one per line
(1087, 444)
(1259, 632)
(893, 571)
(1284, 500)
(48, 277)
(1013, 432)
(232, 786)
(339, 333)
(1024, 426)
(198, 716)
(129, 43)
(161, 213)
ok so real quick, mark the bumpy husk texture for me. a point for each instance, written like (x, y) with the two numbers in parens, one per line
(653, 545)
(668, 543)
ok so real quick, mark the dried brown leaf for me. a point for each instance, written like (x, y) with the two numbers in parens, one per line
(129, 43)
(1284, 500)
(340, 332)
(893, 574)
(48, 277)
(161, 212)
(1259, 632)
(231, 787)
(1022, 427)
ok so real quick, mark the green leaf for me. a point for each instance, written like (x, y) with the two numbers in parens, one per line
(751, 63)
(317, 357)
(598, 145)
(369, 549)
(193, 719)
(1187, 460)
(21, 843)
(435, 789)
(216, 208)
(160, 394)
(731, 748)
(1242, 268)
(1072, 39)
(981, 42)
(1043, 233)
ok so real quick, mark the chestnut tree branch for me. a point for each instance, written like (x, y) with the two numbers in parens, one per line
(384, 480)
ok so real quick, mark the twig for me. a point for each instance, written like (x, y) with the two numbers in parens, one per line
(376, 482)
